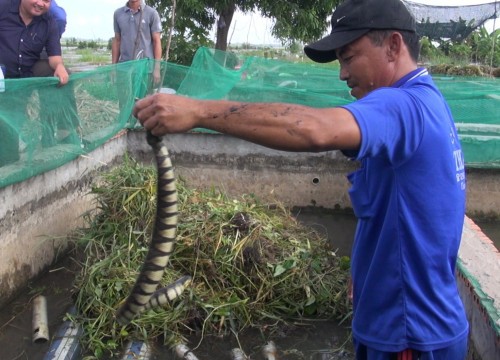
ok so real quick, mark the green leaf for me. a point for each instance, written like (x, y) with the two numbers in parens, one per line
(278, 270)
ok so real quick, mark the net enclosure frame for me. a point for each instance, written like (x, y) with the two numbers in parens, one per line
(451, 22)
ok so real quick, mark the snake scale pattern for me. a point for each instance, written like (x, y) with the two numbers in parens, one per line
(144, 294)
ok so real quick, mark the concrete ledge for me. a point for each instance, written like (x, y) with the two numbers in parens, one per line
(478, 278)
(237, 167)
(36, 215)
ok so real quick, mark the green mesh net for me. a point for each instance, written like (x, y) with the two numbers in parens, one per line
(43, 126)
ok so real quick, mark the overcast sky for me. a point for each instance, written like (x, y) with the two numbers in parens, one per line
(93, 19)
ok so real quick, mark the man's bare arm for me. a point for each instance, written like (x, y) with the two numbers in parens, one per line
(56, 63)
(115, 48)
(280, 126)
(156, 39)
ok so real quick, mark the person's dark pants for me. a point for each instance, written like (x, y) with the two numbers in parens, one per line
(456, 351)
(9, 144)
(12, 102)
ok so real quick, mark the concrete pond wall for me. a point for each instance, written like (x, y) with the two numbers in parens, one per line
(36, 215)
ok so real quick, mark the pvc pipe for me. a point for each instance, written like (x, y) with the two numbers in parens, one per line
(238, 354)
(269, 351)
(185, 353)
(39, 322)
(137, 350)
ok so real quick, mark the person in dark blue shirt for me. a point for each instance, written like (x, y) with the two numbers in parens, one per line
(408, 193)
(55, 120)
(42, 67)
(27, 30)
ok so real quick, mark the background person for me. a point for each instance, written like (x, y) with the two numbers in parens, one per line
(137, 28)
(408, 193)
(61, 123)
(42, 67)
(26, 29)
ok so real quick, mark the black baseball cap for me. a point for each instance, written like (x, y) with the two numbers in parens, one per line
(354, 18)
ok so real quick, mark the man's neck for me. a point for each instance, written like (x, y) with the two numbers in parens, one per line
(26, 17)
(134, 6)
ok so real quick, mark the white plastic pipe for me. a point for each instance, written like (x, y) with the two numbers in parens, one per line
(39, 322)
(238, 354)
(183, 352)
(269, 351)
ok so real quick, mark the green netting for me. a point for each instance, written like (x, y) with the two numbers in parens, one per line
(43, 126)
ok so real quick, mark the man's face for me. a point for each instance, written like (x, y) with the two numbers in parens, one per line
(134, 4)
(364, 66)
(35, 7)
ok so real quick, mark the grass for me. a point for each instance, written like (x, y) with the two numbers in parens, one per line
(74, 56)
(253, 265)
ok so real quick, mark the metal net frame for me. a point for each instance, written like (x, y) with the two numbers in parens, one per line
(451, 22)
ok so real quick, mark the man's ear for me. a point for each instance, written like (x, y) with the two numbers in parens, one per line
(395, 43)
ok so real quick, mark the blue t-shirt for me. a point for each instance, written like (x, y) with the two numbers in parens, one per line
(409, 198)
(59, 15)
(21, 45)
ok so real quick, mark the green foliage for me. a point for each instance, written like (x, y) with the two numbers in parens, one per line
(71, 42)
(460, 51)
(88, 44)
(110, 44)
(427, 49)
(479, 48)
(485, 48)
(295, 20)
(296, 48)
(91, 56)
(193, 21)
(299, 20)
(182, 51)
(252, 265)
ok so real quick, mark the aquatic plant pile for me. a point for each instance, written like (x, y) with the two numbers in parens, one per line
(253, 264)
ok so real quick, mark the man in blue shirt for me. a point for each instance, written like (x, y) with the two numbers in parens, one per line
(408, 194)
(59, 15)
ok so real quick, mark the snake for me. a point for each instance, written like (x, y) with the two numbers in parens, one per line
(145, 293)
